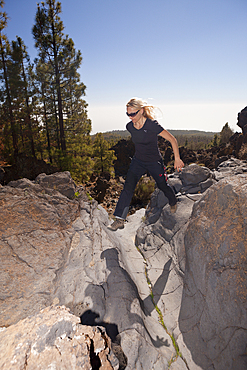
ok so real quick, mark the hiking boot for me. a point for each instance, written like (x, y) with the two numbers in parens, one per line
(173, 208)
(117, 224)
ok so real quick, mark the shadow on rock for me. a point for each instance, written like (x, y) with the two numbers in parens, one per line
(113, 303)
(157, 289)
(120, 285)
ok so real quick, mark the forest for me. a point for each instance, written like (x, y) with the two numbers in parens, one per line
(43, 112)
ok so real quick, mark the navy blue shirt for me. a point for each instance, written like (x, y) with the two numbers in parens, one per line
(146, 140)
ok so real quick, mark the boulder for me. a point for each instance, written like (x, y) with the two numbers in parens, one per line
(193, 179)
(35, 232)
(60, 181)
(213, 314)
(55, 339)
(220, 160)
(194, 174)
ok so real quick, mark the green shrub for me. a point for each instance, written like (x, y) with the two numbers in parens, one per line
(143, 191)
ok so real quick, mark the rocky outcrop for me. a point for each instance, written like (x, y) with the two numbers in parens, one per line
(55, 250)
(35, 236)
(213, 315)
(25, 167)
(204, 300)
(242, 122)
(231, 167)
(192, 180)
(169, 303)
(55, 339)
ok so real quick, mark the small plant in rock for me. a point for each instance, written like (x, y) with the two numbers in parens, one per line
(89, 197)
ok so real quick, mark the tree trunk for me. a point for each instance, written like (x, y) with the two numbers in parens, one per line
(28, 117)
(46, 126)
(58, 89)
(9, 102)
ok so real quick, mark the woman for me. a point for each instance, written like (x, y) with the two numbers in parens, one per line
(144, 132)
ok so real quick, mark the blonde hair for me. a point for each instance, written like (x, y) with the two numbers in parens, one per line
(148, 110)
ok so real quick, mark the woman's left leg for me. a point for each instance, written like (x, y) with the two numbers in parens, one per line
(156, 170)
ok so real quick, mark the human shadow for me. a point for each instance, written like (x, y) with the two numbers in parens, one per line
(112, 301)
(92, 318)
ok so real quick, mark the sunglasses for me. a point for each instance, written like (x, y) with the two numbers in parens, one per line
(132, 114)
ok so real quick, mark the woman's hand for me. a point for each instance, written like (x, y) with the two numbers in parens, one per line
(178, 164)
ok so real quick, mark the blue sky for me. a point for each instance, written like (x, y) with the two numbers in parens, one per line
(187, 57)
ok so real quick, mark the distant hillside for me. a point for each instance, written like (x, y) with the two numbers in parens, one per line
(193, 139)
(192, 133)
(115, 135)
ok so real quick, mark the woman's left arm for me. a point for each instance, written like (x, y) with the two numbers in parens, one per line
(178, 163)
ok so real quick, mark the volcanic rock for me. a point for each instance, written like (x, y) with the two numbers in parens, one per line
(26, 167)
(242, 122)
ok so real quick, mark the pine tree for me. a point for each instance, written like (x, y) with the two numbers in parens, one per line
(58, 62)
(7, 101)
(225, 134)
(103, 156)
(26, 91)
(46, 106)
(215, 141)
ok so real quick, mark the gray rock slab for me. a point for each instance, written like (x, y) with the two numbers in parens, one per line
(59, 181)
(104, 283)
(194, 174)
(213, 306)
(162, 245)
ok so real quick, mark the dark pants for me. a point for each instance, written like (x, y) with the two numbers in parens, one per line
(136, 170)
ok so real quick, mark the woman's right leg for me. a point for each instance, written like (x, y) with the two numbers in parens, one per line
(135, 172)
